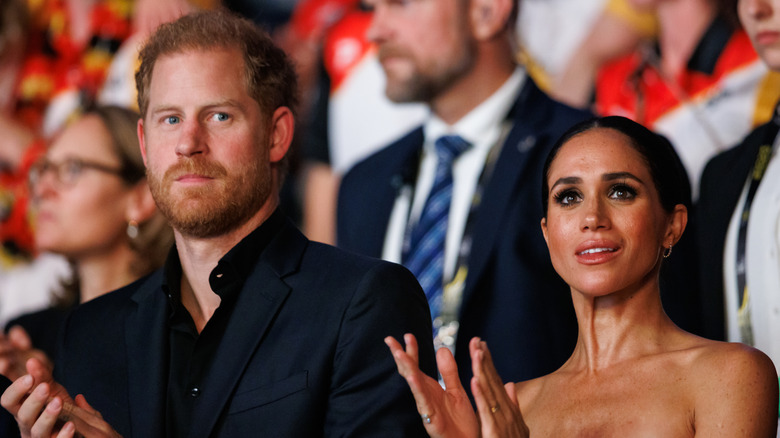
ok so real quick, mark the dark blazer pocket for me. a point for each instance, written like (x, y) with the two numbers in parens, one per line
(269, 393)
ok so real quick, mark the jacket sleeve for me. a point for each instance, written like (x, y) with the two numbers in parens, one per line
(368, 396)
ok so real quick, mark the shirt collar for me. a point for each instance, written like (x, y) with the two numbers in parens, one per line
(233, 268)
(487, 116)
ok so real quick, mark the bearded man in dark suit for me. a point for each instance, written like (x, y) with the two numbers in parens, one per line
(249, 329)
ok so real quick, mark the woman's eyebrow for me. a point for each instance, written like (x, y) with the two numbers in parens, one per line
(620, 175)
(567, 180)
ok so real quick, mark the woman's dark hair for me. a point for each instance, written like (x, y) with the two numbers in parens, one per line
(666, 169)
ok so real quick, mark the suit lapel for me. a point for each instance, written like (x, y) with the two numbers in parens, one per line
(742, 166)
(403, 164)
(262, 296)
(510, 166)
(146, 335)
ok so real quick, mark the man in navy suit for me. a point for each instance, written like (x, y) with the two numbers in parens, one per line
(496, 277)
(250, 329)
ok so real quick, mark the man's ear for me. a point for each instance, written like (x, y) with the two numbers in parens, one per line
(489, 18)
(282, 129)
(142, 140)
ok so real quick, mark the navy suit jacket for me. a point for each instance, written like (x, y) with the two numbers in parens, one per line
(722, 183)
(513, 298)
(302, 355)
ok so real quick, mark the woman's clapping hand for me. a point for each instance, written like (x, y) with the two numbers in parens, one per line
(445, 412)
(499, 413)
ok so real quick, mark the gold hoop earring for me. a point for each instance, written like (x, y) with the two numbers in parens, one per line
(132, 229)
(667, 251)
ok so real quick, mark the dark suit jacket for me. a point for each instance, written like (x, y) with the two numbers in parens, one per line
(513, 298)
(722, 183)
(43, 327)
(302, 355)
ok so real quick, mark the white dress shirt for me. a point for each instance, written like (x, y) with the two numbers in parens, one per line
(485, 128)
(762, 263)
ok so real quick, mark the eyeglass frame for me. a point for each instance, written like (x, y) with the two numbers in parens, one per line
(43, 166)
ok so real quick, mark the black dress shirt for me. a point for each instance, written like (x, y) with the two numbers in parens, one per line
(190, 353)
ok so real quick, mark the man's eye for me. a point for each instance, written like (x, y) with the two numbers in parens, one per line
(171, 120)
(221, 117)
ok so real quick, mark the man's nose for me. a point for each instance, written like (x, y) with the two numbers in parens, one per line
(191, 139)
(378, 29)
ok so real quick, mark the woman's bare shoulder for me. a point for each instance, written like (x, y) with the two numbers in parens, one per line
(733, 360)
(709, 362)
(735, 389)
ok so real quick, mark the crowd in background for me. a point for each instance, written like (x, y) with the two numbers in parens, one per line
(683, 68)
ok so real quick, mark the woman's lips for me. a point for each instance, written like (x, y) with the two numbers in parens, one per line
(767, 38)
(595, 252)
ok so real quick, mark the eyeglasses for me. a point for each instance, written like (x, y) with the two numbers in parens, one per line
(67, 172)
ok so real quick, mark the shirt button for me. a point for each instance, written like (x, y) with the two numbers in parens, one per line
(194, 392)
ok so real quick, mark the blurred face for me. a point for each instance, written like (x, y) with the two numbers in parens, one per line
(605, 226)
(81, 212)
(204, 143)
(761, 19)
(424, 46)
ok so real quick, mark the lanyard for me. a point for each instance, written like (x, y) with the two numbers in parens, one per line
(445, 325)
(759, 170)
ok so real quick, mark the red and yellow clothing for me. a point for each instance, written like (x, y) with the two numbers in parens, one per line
(56, 64)
(644, 22)
(58, 76)
(724, 92)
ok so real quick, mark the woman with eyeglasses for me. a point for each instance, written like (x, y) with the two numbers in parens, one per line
(91, 204)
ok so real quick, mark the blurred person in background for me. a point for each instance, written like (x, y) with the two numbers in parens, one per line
(616, 31)
(71, 54)
(92, 205)
(739, 209)
(457, 199)
(345, 115)
(700, 83)
(66, 64)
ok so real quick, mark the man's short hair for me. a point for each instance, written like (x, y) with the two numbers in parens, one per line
(270, 76)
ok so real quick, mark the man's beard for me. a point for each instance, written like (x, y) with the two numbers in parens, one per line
(213, 209)
(424, 86)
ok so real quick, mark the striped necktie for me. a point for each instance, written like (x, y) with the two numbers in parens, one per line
(424, 248)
